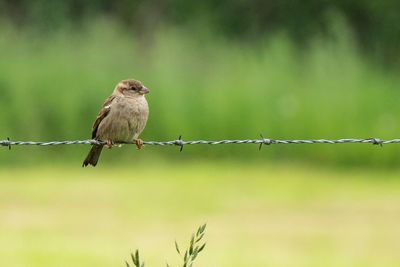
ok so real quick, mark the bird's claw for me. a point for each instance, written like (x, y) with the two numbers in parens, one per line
(139, 143)
(110, 144)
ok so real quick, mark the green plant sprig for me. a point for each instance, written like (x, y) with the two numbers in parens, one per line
(135, 260)
(190, 255)
(195, 247)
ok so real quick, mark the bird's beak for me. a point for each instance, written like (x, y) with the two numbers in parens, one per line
(144, 90)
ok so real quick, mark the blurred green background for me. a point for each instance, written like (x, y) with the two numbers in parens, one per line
(217, 70)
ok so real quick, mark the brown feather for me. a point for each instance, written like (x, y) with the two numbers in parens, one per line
(93, 157)
(105, 109)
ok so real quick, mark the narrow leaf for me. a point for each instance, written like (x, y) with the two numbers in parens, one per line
(177, 248)
(202, 247)
(133, 259)
(137, 258)
(191, 245)
(192, 240)
(198, 230)
(200, 237)
(203, 227)
(194, 255)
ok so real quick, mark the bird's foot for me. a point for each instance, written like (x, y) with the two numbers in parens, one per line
(110, 143)
(139, 143)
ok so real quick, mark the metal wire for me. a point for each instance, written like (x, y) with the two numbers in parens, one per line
(179, 142)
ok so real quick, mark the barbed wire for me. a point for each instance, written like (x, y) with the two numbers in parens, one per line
(181, 143)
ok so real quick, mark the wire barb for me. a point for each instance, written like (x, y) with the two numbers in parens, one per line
(179, 142)
(376, 141)
(264, 141)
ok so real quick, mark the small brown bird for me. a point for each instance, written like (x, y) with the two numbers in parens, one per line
(121, 119)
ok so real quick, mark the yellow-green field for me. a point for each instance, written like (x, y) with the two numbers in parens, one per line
(257, 215)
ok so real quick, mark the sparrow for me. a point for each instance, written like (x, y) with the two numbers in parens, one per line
(122, 118)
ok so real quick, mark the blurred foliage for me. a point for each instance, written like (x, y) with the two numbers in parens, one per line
(298, 73)
(376, 24)
(203, 87)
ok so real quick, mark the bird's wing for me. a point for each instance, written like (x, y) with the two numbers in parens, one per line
(105, 109)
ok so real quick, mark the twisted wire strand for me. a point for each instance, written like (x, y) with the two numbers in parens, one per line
(181, 143)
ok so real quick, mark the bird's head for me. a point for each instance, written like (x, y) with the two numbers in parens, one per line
(131, 88)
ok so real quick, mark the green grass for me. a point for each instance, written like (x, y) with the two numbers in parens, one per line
(203, 87)
(257, 214)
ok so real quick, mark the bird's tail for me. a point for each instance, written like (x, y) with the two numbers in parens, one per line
(93, 156)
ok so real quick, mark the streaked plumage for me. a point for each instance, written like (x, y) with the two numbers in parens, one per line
(122, 118)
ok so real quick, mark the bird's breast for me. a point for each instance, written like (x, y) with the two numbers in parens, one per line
(135, 113)
(134, 109)
(126, 120)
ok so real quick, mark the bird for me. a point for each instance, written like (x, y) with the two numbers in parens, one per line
(122, 118)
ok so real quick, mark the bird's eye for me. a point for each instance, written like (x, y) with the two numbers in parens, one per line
(133, 88)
